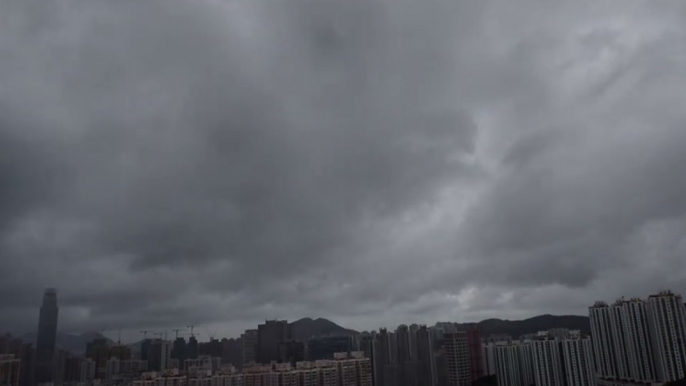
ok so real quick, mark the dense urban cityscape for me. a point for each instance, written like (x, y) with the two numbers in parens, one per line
(632, 342)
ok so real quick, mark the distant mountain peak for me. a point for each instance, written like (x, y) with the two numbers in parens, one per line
(306, 328)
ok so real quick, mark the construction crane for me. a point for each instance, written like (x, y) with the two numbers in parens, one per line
(191, 327)
(176, 332)
(145, 334)
(210, 335)
(161, 334)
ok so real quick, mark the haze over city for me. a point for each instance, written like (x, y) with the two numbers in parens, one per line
(166, 163)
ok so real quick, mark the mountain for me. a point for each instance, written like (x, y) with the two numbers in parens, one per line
(306, 328)
(70, 342)
(515, 328)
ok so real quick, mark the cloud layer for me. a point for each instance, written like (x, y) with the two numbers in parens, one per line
(176, 162)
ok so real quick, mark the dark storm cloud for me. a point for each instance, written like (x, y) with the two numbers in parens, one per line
(220, 162)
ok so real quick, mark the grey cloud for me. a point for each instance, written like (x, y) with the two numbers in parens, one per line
(219, 162)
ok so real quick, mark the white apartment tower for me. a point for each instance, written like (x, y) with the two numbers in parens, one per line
(547, 363)
(578, 362)
(514, 365)
(639, 343)
(507, 362)
(619, 339)
(603, 345)
(668, 325)
(489, 358)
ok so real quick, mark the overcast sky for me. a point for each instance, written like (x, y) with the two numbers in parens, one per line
(375, 162)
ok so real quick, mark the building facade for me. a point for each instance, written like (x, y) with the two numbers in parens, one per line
(548, 369)
(668, 322)
(457, 358)
(578, 362)
(269, 335)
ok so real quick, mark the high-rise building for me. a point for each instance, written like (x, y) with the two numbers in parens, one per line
(489, 358)
(380, 356)
(476, 360)
(249, 342)
(47, 333)
(291, 351)
(88, 369)
(192, 348)
(232, 352)
(578, 362)
(145, 346)
(179, 350)
(60, 366)
(457, 358)
(28, 361)
(620, 339)
(269, 335)
(159, 355)
(99, 351)
(426, 367)
(324, 347)
(526, 357)
(603, 344)
(513, 363)
(548, 369)
(639, 343)
(10, 370)
(407, 357)
(508, 365)
(668, 321)
(72, 372)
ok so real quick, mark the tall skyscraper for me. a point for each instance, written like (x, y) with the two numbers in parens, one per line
(407, 360)
(380, 356)
(269, 335)
(249, 342)
(639, 342)
(514, 363)
(426, 367)
(603, 345)
(192, 348)
(668, 322)
(27, 376)
(476, 360)
(508, 368)
(47, 333)
(457, 358)
(578, 361)
(179, 351)
(620, 339)
(636, 341)
(548, 369)
(489, 358)
(159, 355)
